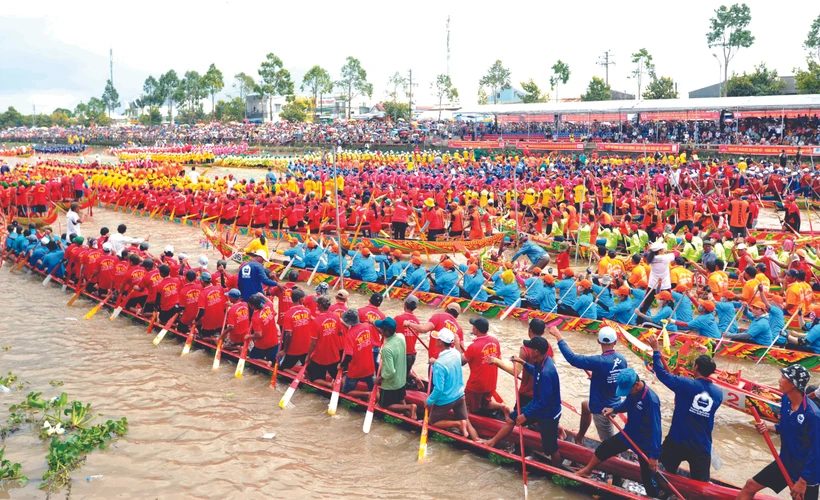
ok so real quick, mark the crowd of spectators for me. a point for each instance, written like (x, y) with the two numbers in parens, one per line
(761, 131)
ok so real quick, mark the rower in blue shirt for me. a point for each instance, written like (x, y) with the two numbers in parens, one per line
(505, 287)
(396, 269)
(333, 259)
(314, 257)
(705, 324)
(447, 280)
(623, 311)
(416, 276)
(364, 266)
(586, 303)
(567, 293)
(664, 313)
(545, 407)
(643, 410)
(546, 297)
(726, 311)
(604, 368)
(537, 255)
(682, 306)
(295, 253)
(52, 259)
(696, 401)
(534, 285)
(808, 341)
(777, 321)
(474, 283)
(799, 430)
(759, 331)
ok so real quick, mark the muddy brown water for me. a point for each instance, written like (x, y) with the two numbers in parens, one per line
(198, 434)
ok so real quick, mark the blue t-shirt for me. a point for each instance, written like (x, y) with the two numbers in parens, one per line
(585, 306)
(800, 439)
(251, 277)
(605, 368)
(448, 379)
(643, 421)
(705, 325)
(567, 291)
(546, 391)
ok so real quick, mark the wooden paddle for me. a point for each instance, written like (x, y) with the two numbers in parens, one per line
(164, 331)
(94, 310)
(273, 375)
(240, 365)
(76, 295)
(772, 449)
(643, 456)
(218, 355)
(796, 312)
(334, 397)
(285, 401)
(151, 323)
(520, 431)
(51, 274)
(371, 403)
(426, 424)
(121, 302)
(189, 340)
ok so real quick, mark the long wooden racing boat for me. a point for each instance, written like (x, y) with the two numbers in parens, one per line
(49, 218)
(374, 244)
(487, 427)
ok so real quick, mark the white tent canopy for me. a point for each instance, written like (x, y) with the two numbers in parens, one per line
(775, 102)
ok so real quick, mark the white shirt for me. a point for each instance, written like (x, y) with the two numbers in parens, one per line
(72, 222)
(194, 176)
(119, 242)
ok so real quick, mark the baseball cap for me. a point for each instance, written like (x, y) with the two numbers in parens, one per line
(205, 276)
(665, 295)
(234, 293)
(445, 335)
(385, 324)
(203, 261)
(540, 344)
(107, 246)
(481, 324)
(607, 335)
(657, 246)
(411, 300)
(168, 249)
(797, 375)
(261, 254)
(342, 294)
(626, 379)
(452, 306)
(707, 304)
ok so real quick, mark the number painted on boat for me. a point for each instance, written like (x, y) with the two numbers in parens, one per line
(734, 399)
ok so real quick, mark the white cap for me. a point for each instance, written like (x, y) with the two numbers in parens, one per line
(261, 253)
(741, 246)
(44, 240)
(657, 246)
(182, 256)
(607, 335)
(445, 335)
(107, 246)
(203, 261)
(168, 248)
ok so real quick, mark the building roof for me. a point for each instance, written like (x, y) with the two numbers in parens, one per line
(804, 101)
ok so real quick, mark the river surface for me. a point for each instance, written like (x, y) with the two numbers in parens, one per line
(198, 434)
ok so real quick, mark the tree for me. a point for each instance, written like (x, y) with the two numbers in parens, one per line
(560, 75)
(660, 88)
(443, 89)
(727, 30)
(230, 111)
(244, 84)
(762, 82)
(812, 43)
(11, 118)
(533, 92)
(353, 82)
(295, 110)
(61, 118)
(483, 98)
(151, 93)
(318, 81)
(190, 92)
(643, 65)
(597, 91)
(496, 79)
(67, 112)
(275, 80)
(168, 84)
(152, 117)
(396, 110)
(397, 81)
(808, 82)
(110, 97)
(213, 83)
(92, 113)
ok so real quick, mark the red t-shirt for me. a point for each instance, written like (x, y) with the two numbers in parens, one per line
(119, 273)
(483, 376)
(409, 336)
(283, 293)
(358, 344)
(370, 313)
(298, 322)
(338, 308)
(328, 332)
(105, 280)
(134, 278)
(439, 321)
(212, 300)
(239, 319)
(149, 281)
(168, 291)
(264, 322)
(189, 299)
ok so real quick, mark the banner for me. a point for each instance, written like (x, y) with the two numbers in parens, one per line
(739, 149)
(638, 148)
(776, 113)
(533, 146)
(594, 117)
(679, 115)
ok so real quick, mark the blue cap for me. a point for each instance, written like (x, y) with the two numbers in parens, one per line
(234, 293)
(205, 276)
(385, 324)
(626, 379)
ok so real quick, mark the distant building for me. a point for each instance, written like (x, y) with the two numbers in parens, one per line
(329, 107)
(621, 96)
(507, 96)
(714, 90)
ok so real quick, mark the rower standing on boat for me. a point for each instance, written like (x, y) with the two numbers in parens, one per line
(604, 369)
(448, 385)
(799, 430)
(439, 321)
(481, 385)
(643, 410)
(696, 401)
(392, 377)
(263, 332)
(545, 407)
(252, 276)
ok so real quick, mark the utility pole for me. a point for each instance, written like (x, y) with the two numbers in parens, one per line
(33, 115)
(448, 45)
(410, 94)
(111, 65)
(606, 62)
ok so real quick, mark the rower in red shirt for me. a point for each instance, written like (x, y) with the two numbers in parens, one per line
(189, 301)
(222, 277)
(358, 355)
(120, 272)
(104, 273)
(147, 283)
(166, 294)
(340, 306)
(237, 322)
(437, 321)
(297, 328)
(90, 262)
(130, 286)
(211, 315)
(370, 314)
(481, 385)
(264, 332)
(411, 303)
(325, 344)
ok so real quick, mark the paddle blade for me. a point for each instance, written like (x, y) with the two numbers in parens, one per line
(72, 300)
(667, 347)
(368, 422)
(285, 401)
(273, 375)
(90, 314)
(217, 356)
(47, 280)
(160, 336)
(65, 286)
(186, 348)
(240, 368)
(334, 403)
(116, 313)
(423, 440)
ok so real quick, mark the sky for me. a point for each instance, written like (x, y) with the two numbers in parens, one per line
(56, 54)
